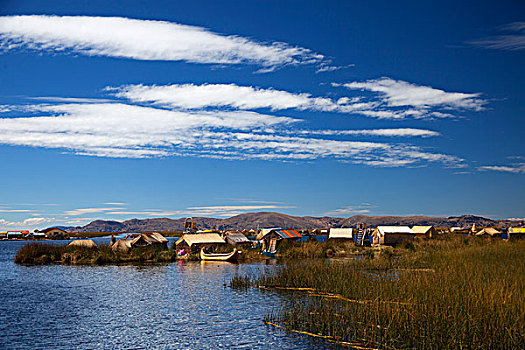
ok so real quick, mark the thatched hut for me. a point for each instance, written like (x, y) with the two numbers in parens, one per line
(122, 245)
(427, 231)
(140, 240)
(236, 238)
(193, 242)
(149, 239)
(87, 243)
(390, 235)
(489, 231)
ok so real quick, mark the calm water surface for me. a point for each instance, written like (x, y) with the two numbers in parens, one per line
(183, 305)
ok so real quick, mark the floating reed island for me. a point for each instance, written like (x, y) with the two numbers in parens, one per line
(446, 293)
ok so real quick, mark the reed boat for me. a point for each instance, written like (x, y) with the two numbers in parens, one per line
(220, 256)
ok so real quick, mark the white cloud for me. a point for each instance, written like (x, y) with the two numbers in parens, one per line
(33, 222)
(144, 40)
(190, 96)
(514, 169)
(119, 130)
(115, 203)
(82, 211)
(398, 93)
(80, 221)
(351, 210)
(399, 132)
(14, 210)
(514, 40)
(323, 68)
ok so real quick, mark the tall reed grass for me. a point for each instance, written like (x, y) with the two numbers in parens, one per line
(452, 293)
(41, 254)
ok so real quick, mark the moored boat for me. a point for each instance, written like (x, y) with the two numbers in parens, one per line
(220, 256)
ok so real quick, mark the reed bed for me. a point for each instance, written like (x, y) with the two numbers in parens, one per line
(42, 254)
(458, 293)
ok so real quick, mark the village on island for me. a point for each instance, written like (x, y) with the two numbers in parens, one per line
(228, 245)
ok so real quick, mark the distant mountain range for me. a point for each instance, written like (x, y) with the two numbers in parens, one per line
(270, 219)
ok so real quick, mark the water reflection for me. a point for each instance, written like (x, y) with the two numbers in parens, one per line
(168, 306)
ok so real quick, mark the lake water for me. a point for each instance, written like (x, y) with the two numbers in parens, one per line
(183, 305)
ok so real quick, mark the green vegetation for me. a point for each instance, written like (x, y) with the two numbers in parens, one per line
(452, 292)
(41, 254)
(312, 249)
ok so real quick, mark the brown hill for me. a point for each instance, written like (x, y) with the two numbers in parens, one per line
(270, 219)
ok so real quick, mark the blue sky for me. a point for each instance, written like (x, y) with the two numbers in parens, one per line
(142, 109)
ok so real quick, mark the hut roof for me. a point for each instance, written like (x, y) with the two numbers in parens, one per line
(88, 243)
(52, 229)
(150, 238)
(489, 231)
(382, 230)
(288, 233)
(236, 237)
(122, 244)
(340, 233)
(265, 231)
(421, 230)
(201, 238)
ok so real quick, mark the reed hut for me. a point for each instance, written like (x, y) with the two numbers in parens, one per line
(236, 238)
(390, 235)
(264, 231)
(87, 243)
(427, 231)
(489, 231)
(149, 239)
(340, 233)
(193, 242)
(140, 240)
(122, 245)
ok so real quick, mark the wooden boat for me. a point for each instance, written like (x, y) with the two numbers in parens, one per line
(220, 256)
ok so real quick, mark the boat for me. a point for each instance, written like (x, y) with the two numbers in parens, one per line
(220, 256)
(269, 253)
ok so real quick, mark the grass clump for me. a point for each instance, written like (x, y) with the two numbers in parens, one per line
(42, 254)
(439, 294)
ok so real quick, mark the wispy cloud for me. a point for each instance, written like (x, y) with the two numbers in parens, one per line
(83, 211)
(364, 208)
(323, 68)
(144, 40)
(398, 93)
(397, 132)
(31, 222)
(513, 39)
(14, 210)
(122, 130)
(190, 96)
(115, 203)
(514, 168)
